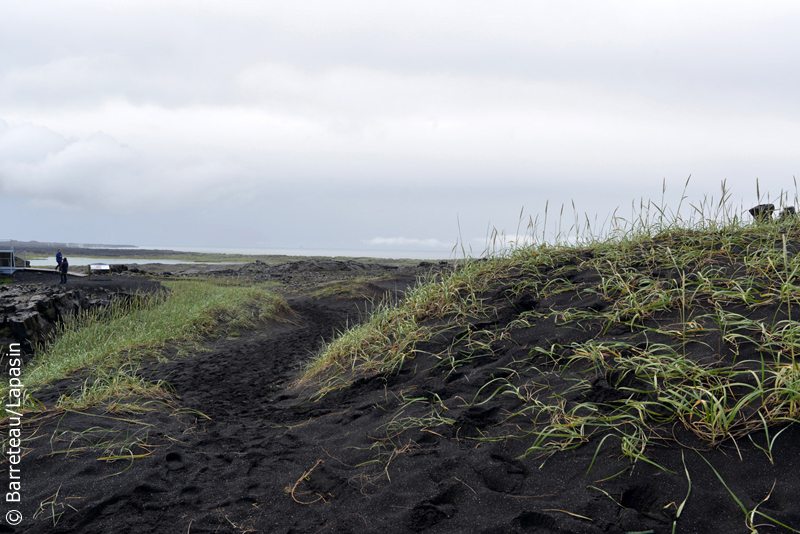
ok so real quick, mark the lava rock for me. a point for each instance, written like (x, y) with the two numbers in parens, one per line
(762, 212)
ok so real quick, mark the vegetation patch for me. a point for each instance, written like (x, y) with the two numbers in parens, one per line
(110, 342)
(683, 332)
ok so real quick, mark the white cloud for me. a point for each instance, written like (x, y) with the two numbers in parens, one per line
(58, 81)
(98, 173)
(291, 81)
(28, 143)
(79, 172)
(524, 22)
(444, 121)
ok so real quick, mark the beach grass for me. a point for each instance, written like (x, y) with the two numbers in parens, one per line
(692, 325)
(109, 343)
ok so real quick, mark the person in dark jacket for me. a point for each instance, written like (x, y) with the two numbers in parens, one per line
(58, 260)
(64, 267)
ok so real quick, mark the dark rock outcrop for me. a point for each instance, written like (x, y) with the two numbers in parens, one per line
(30, 313)
(788, 214)
(762, 212)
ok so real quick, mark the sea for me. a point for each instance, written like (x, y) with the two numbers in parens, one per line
(428, 255)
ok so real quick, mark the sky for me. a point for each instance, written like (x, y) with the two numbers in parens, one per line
(386, 126)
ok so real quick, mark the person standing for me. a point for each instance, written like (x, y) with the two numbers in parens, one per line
(64, 267)
(58, 260)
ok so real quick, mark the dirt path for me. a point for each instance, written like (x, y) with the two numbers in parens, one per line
(221, 444)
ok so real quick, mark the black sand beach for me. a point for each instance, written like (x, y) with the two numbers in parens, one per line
(239, 446)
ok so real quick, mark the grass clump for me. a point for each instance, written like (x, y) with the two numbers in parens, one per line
(110, 341)
(392, 331)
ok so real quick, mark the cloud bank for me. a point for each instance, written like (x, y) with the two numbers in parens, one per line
(404, 118)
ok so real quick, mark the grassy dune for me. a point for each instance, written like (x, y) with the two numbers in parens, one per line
(690, 322)
(111, 342)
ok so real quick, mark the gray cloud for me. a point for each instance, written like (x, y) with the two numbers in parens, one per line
(384, 123)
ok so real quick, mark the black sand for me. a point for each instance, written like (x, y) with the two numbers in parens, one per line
(236, 449)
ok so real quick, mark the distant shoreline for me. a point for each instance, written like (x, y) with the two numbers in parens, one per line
(38, 251)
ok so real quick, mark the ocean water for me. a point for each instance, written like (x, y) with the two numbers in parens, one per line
(84, 260)
(428, 254)
(331, 253)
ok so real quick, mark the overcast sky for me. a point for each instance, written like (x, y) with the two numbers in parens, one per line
(380, 124)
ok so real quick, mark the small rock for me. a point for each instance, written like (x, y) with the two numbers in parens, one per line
(788, 214)
(762, 212)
